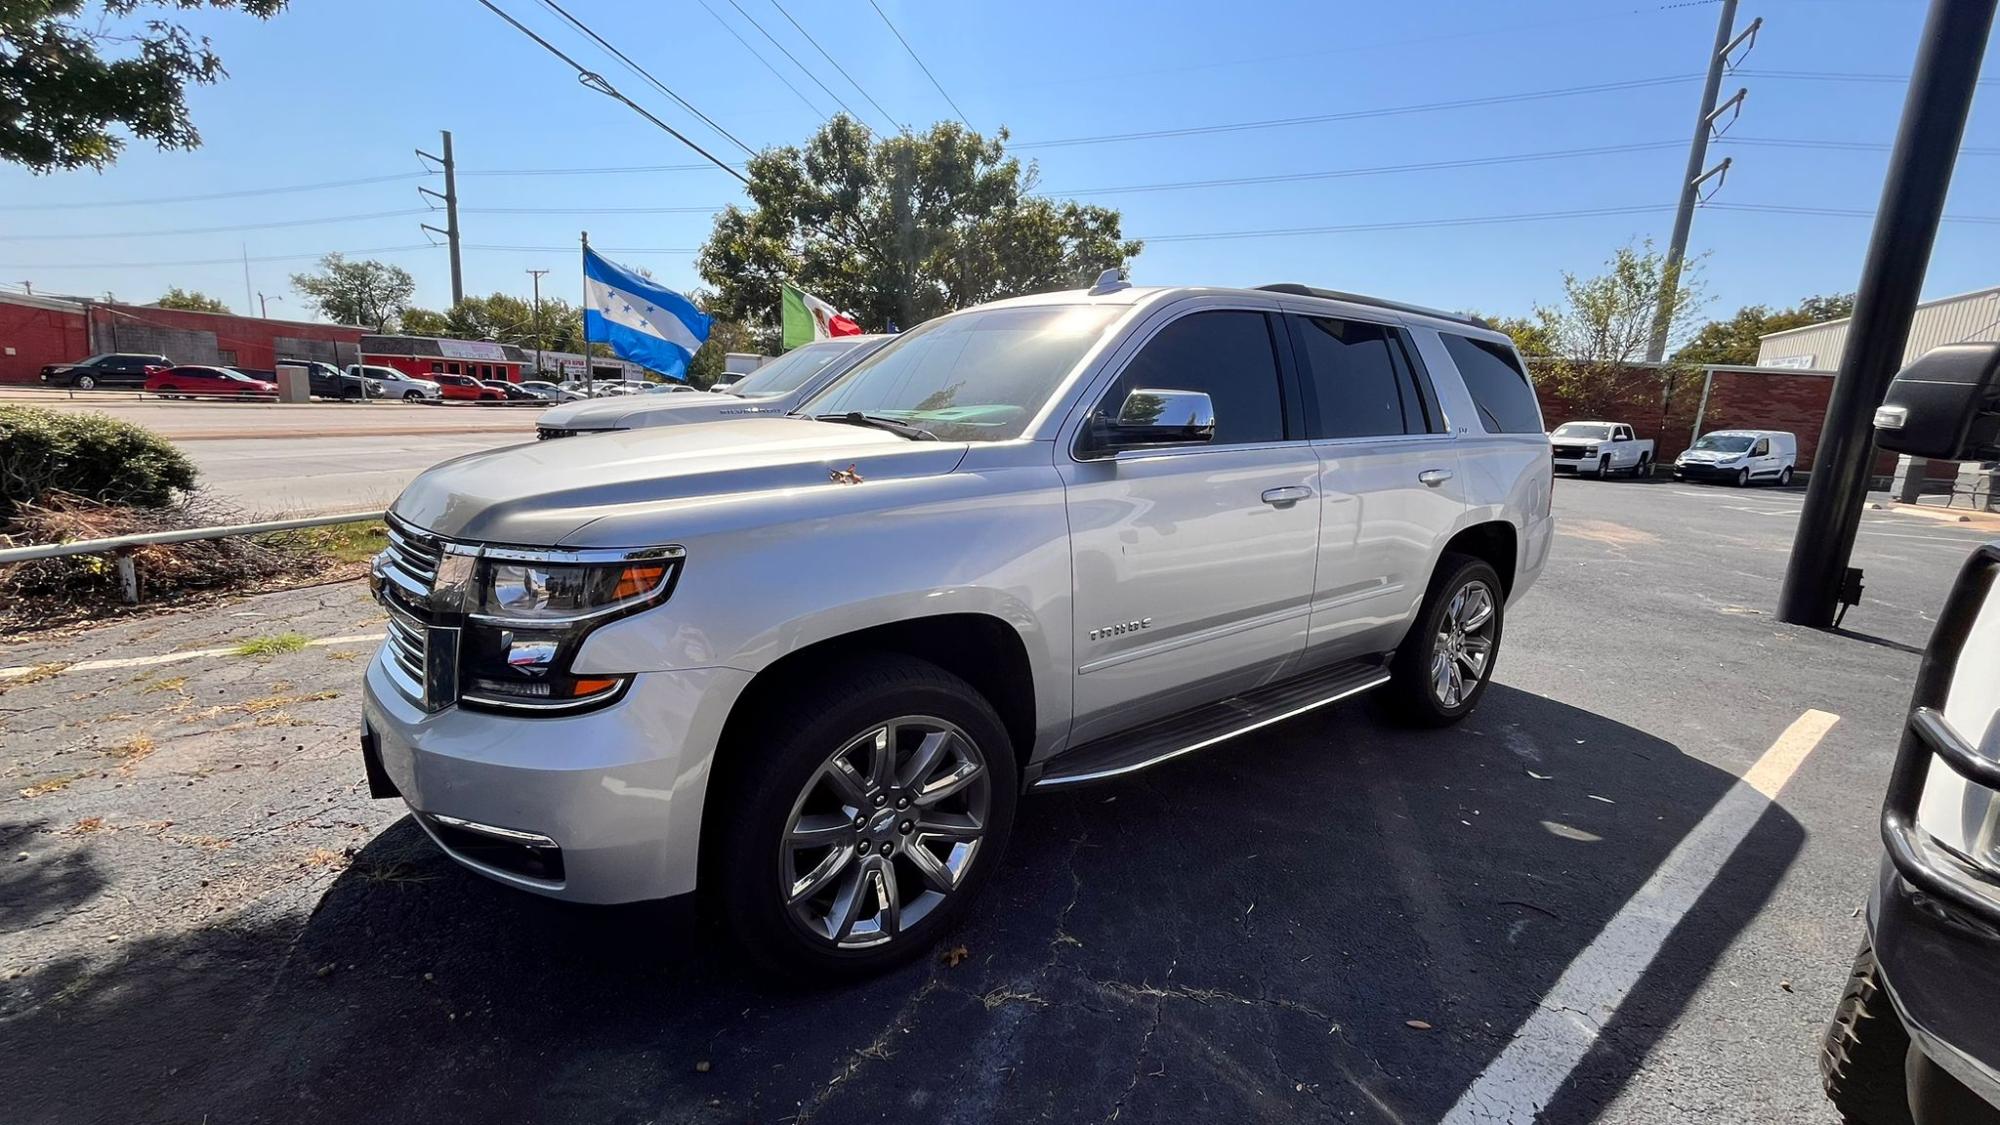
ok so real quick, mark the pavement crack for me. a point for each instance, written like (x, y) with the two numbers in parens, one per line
(1138, 1061)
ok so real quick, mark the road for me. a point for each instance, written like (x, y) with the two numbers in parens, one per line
(270, 459)
(1328, 920)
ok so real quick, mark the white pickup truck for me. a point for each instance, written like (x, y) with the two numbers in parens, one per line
(1600, 449)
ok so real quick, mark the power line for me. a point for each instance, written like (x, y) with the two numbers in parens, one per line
(710, 210)
(606, 249)
(230, 261)
(886, 115)
(1357, 114)
(1407, 224)
(759, 56)
(595, 171)
(920, 63)
(642, 72)
(215, 230)
(1837, 212)
(1378, 170)
(594, 81)
(239, 194)
(1838, 76)
(837, 99)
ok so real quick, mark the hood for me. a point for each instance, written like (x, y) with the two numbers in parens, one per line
(633, 411)
(542, 493)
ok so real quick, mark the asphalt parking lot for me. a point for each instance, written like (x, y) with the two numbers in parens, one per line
(203, 917)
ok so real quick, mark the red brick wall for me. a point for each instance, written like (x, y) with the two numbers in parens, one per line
(1769, 399)
(31, 336)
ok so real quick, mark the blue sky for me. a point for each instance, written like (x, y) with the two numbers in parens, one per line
(345, 90)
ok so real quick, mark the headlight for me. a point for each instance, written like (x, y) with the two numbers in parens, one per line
(1590, 451)
(527, 618)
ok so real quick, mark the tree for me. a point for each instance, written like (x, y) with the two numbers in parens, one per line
(1529, 334)
(1605, 322)
(900, 228)
(1734, 341)
(367, 293)
(60, 96)
(190, 300)
(414, 321)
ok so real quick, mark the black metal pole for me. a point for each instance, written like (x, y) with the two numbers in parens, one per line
(1899, 251)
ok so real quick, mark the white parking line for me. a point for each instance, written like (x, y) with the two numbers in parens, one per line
(1526, 1075)
(171, 657)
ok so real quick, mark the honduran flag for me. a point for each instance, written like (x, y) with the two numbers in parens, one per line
(807, 318)
(643, 321)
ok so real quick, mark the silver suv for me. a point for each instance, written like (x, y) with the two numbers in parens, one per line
(806, 665)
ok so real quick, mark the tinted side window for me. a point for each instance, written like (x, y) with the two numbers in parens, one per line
(1228, 355)
(1499, 387)
(1360, 380)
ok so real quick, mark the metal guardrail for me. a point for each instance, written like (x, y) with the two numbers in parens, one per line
(121, 546)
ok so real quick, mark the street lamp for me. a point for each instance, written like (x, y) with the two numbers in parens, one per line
(537, 275)
(264, 305)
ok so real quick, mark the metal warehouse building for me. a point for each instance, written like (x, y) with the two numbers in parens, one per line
(1967, 318)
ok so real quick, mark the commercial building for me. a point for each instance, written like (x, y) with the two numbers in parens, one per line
(36, 330)
(1966, 318)
(424, 356)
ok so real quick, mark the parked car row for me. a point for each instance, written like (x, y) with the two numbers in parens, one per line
(1739, 457)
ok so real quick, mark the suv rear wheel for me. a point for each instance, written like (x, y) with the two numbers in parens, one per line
(861, 818)
(1445, 663)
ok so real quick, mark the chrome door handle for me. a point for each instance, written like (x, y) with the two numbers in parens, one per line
(1289, 494)
(1434, 477)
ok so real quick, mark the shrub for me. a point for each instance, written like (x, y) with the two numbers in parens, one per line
(45, 451)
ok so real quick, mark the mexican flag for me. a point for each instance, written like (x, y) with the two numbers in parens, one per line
(807, 318)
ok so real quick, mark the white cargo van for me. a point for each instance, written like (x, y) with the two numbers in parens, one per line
(1740, 457)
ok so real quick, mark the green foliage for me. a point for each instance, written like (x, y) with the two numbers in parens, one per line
(726, 336)
(1530, 335)
(190, 300)
(365, 293)
(1606, 322)
(902, 227)
(504, 319)
(88, 455)
(276, 644)
(1734, 341)
(61, 96)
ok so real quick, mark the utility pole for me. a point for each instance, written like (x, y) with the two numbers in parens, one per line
(264, 305)
(450, 200)
(1899, 251)
(246, 279)
(537, 276)
(29, 286)
(1697, 173)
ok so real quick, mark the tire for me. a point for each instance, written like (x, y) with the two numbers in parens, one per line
(780, 771)
(1604, 467)
(1644, 468)
(413, 396)
(83, 382)
(1785, 478)
(1413, 694)
(1862, 1054)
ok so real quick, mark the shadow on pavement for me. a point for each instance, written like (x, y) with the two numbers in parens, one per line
(1240, 935)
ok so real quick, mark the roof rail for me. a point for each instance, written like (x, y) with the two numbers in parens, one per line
(1297, 290)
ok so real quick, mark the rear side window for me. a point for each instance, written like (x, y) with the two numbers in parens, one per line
(1361, 381)
(1228, 355)
(1499, 387)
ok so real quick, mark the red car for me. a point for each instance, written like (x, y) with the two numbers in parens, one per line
(188, 381)
(465, 386)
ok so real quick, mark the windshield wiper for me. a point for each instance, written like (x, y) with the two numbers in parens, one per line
(876, 421)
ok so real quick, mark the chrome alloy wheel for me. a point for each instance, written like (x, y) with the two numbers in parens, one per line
(885, 830)
(1464, 644)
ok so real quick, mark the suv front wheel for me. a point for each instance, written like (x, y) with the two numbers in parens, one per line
(1444, 665)
(860, 819)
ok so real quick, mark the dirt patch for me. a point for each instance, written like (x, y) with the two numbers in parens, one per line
(1608, 533)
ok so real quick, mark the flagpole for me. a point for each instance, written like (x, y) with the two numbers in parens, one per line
(589, 369)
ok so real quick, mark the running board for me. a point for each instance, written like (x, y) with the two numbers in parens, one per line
(1203, 727)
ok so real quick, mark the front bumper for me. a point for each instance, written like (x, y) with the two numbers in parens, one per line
(1705, 470)
(1941, 969)
(610, 800)
(1576, 465)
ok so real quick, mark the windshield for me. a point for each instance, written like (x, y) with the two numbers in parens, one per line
(232, 373)
(790, 371)
(979, 376)
(1584, 430)
(1726, 443)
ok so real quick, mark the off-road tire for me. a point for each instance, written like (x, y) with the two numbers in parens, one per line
(766, 761)
(1407, 697)
(1862, 1054)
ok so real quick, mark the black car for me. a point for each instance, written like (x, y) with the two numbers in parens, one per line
(329, 381)
(113, 369)
(1913, 1038)
(514, 391)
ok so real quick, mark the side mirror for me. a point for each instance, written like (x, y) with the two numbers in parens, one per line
(1151, 417)
(1945, 406)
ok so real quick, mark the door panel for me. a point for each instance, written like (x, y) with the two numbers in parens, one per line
(1380, 526)
(1189, 587)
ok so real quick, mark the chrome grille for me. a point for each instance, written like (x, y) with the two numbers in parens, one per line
(413, 553)
(406, 649)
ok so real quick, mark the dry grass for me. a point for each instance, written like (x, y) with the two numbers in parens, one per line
(87, 825)
(171, 683)
(34, 675)
(274, 702)
(54, 784)
(273, 645)
(132, 751)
